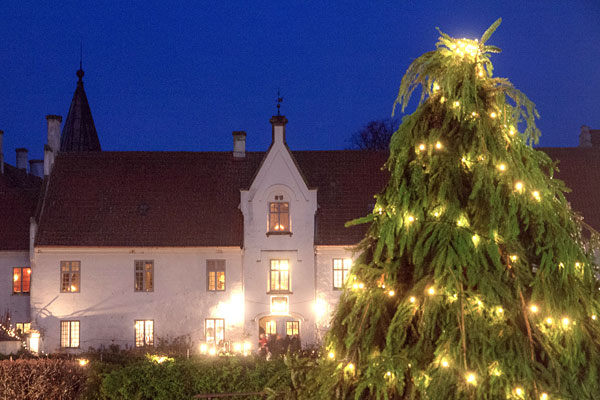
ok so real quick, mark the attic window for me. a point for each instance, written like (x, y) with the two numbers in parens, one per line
(279, 217)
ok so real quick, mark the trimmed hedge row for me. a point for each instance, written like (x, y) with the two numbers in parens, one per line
(41, 379)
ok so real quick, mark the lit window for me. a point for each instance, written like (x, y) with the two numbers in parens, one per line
(341, 269)
(215, 271)
(69, 276)
(279, 217)
(69, 333)
(21, 279)
(279, 305)
(271, 327)
(214, 330)
(23, 327)
(144, 332)
(292, 328)
(279, 276)
(144, 275)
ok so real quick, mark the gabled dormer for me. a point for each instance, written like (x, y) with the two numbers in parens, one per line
(279, 203)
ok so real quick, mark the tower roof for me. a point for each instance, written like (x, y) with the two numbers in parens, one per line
(79, 132)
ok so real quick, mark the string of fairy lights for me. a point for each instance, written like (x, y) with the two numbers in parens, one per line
(463, 49)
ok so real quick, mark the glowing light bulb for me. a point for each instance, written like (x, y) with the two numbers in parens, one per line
(544, 396)
(566, 321)
(421, 147)
(445, 364)
(518, 391)
(471, 378)
(388, 374)
(212, 351)
(16, 277)
(500, 310)
(519, 186)
(493, 115)
(514, 258)
(361, 285)
(83, 362)
(355, 286)
(410, 218)
(511, 131)
(431, 291)
(412, 299)
(480, 73)
(594, 317)
(331, 355)
(474, 114)
(475, 239)
(502, 167)
(536, 195)
(436, 87)
(350, 366)
(391, 293)
(438, 146)
(456, 104)
(442, 99)
(549, 320)
(533, 308)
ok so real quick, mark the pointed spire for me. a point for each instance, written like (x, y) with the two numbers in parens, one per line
(79, 132)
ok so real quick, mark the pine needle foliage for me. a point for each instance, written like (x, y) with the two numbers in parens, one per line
(475, 280)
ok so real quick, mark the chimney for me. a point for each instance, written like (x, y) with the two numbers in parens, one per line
(278, 122)
(239, 144)
(54, 132)
(585, 138)
(48, 159)
(22, 158)
(36, 167)
(1, 153)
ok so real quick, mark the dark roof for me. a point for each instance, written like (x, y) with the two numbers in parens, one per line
(595, 137)
(579, 168)
(19, 192)
(191, 199)
(79, 132)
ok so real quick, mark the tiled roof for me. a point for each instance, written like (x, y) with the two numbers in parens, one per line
(192, 199)
(19, 192)
(579, 168)
(79, 132)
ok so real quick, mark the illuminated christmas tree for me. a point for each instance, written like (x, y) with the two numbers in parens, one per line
(475, 280)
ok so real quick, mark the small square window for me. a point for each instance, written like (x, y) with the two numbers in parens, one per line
(144, 332)
(21, 280)
(215, 275)
(279, 305)
(341, 269)
(69, 334)
(70, 273)
(144, 275)
(23, 328)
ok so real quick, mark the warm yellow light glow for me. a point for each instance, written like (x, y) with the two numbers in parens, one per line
(431, 291)
(237, 347)
(361, 285)
(480, 73)
(519, 391)
(544, 396)
(565, 321)
(500, 310)
(34, 342)
(502, 167)
(594, 317)
(514, 258)
(160, 359)
(73, 288)
(421, 147)
(16, 277)
(533, 308)
(471, 378)
(493, 114)
(549, 320)
(536, 195)
(247, 347)
(436, 87)
(203, 348)
(212, 351)
(456, 104)
(83, 362)
(438, 146)
(388, 374)
(391, 293)
(279, 305)
(474, 114)
(412, 299)
(331, 355)
(445, 364)
(475, 239)
(511, 131)
(410, 218)
(519, 186)
(442, 99)
(320, 308)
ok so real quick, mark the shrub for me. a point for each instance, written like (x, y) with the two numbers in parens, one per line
(41, 379)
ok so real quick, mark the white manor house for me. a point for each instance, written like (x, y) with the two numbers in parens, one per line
(100, 248)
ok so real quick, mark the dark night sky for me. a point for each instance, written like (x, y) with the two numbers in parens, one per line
(164, 75)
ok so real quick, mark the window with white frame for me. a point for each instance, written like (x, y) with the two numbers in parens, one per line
(279, 216)
(279, 276)
(214, 330)
(21, 280)
(215, 275)
(341, 269)
(144, 275)
(70, 274)
(69, 334)
(292, 328)
(271, 327)
(144, 332)
(23, 327)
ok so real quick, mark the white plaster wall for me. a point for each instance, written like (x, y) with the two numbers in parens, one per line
(107, 304)
(16, 304)
(10, 346)
(327, 296)
(279, 176)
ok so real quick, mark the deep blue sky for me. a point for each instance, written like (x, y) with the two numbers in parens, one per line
(164, 75)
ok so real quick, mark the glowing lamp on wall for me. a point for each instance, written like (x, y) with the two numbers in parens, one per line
(279, 305)
(34, 342)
